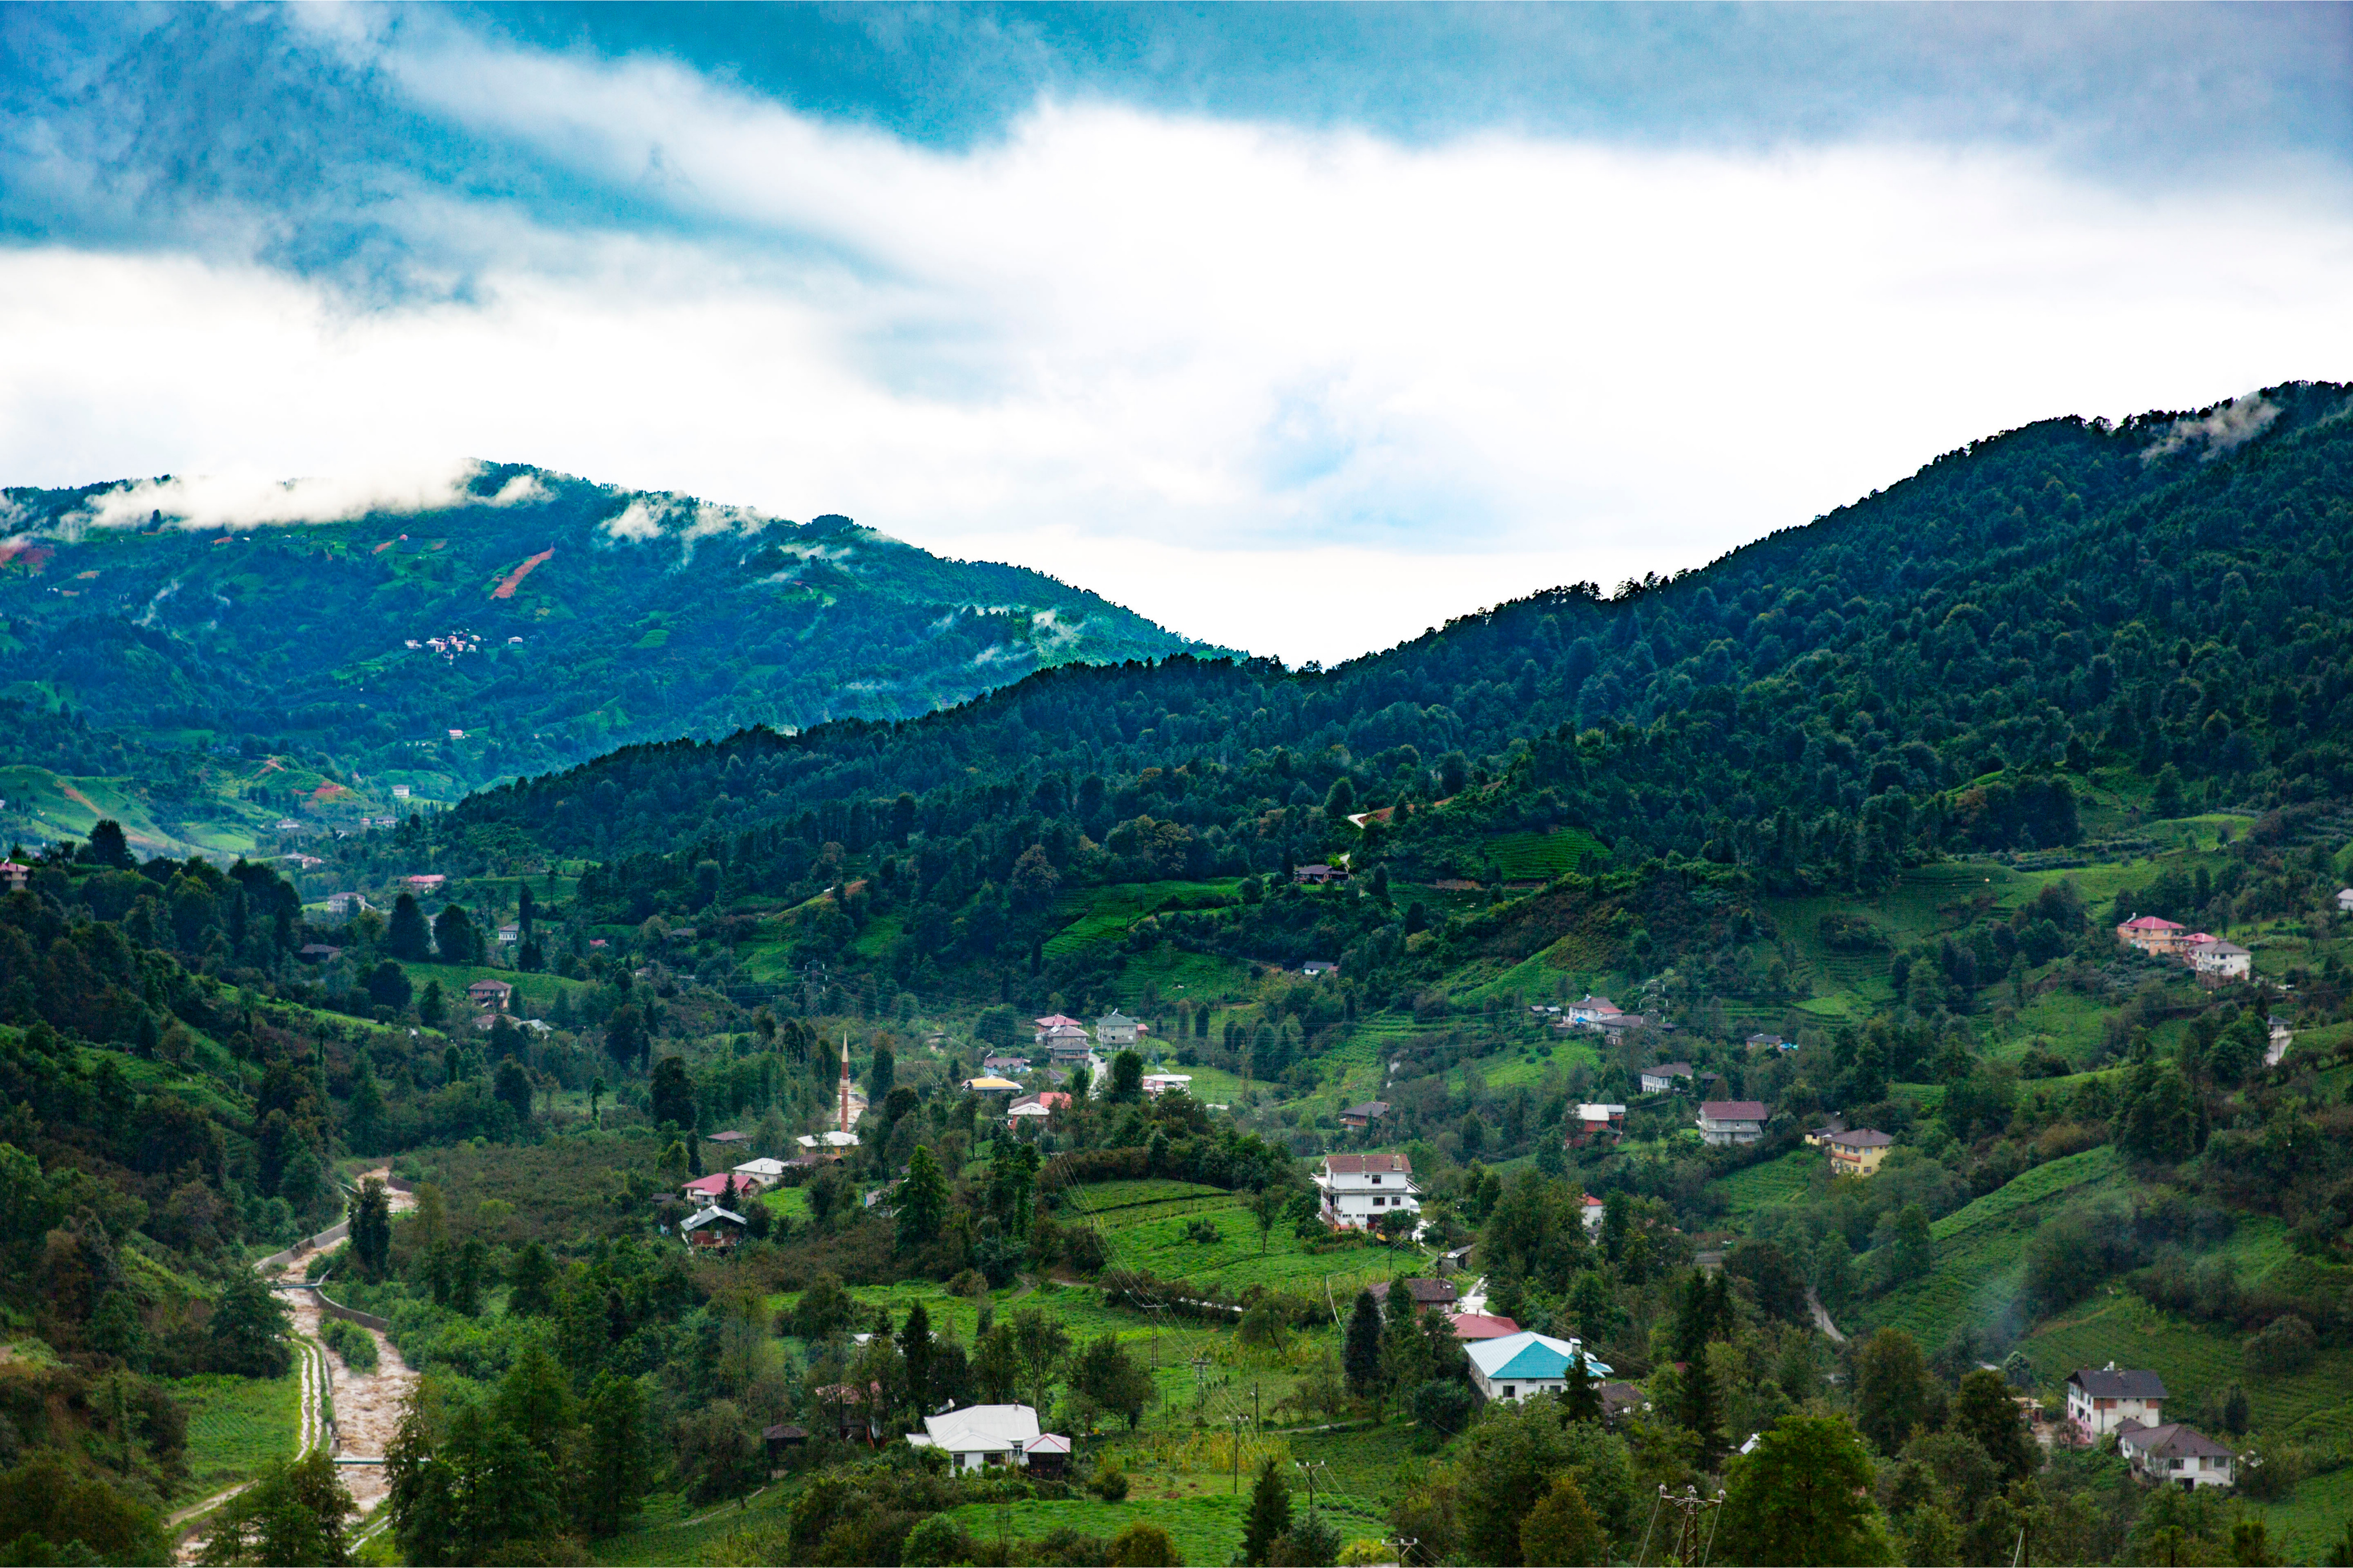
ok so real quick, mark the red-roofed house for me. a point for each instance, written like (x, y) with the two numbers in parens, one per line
(1482, 1326)
(714, 1188)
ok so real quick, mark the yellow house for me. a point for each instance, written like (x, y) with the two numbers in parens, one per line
(1858, 1154)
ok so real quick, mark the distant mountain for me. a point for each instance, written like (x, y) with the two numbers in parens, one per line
(531, 621)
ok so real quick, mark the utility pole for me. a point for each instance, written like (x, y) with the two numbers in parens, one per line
(1238, 1454)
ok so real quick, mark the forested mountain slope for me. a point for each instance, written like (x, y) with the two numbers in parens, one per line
(2166, 592)
(546, 618)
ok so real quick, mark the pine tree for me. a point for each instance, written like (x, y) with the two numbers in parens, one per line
(1360, 1356)
(1270, 1513)
(409, 938)
(921, 1201)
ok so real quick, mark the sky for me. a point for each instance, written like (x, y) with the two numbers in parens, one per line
(1298, 328)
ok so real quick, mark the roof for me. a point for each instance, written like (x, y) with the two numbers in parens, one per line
(2110, 1384)
(1056, 1020)
(1600, 1113)
(1113, 1017)
(704, 1217)
(1425, 1292)
(1365, 1164)
(1482, 1326)
(1369, 1110)
(1865, 1139)
(1526, 1357)
(1764, 1039)
(1619, 1396)
(982, 1428)
(2148, 922)
(2174, 1440)
(1733, 1110)
(1049, 1443)
(763, 1166)
(730, 1137)
(708, 1186)
(1038, 1104)
(1675, 1069)
(990, 1084)
(1599, 1003)
(783, 1434)
(2227, 949)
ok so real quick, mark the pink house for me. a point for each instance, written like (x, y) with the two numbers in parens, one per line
(2152, 935)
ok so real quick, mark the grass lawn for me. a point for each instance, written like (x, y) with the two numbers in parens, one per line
(1150, 1236)
(1206, 1528)
(236, 1425)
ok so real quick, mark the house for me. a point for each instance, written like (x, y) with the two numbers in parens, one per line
(1597, 1121)
(781, 1440)
(400, 792)
(493, 994)
(1056, 1021)
(16, 874)
(854, 1420)
(1424, 1294)
(1066, 1043)
(2176, 1453)
(426, 882)
(2150, 934)
(1361, 1190)
(1050, 1456)
(1115, 1028)
(987, 1085)
(764, 1171)
(715, 1186)
(1455, 1260)
(1360, 1117)
(1156, 1084)
(730, 1138)
(1005, 1067)
(1662, 1078)
(981, 1435)
(1319, 874)
(2101, 1401)
(510, 935)
(1592, 1010)
(1617, 1026)
(1520, 1366)
(1723, 1122)
(1619, 1399)
(1858, 1154)
(2212, 959)
(344, 906)
(1769, 1042)
(1035, 1107)
(1470, 1326)
(2345, 901)
(2283, 1036)
(826, 1145)
(714, 1228)
(318, 952)
(1319, 969)
(1596, 1211)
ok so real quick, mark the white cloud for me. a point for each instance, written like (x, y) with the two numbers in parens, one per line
(1302, 392)
(248, 499)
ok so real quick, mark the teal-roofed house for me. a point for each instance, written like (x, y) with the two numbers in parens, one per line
(1520, 1366)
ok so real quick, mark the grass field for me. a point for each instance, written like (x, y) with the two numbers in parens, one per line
(2312, 1519)
(1980, 1247)
(533, 993)
(1524, 857)
(236, 1425)
(1147, 1232)
(2196, 1360)
(1103, 914)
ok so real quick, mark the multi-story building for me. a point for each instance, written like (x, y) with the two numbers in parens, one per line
(2101, 1401)
(1361, 1190)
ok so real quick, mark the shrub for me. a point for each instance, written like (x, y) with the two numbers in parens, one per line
(1109, 1483)
(2285, 1344)
(351, 1341)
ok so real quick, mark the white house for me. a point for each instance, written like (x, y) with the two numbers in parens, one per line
(1361, 1190)
(2176, 1454)
(1520, 1366)
(2101, 1401)
(1662, 1078)
(1115, 1028)
(1156, 1084)
(1035, 1107)
(830, 1143)
(1596, 1211)
(1592, 1010)
(765, 1172)
(1723, 1122)
(2345, 901)
(980, 1435)
(2212, 956)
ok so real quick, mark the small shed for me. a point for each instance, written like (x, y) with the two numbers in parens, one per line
(1050, 1455)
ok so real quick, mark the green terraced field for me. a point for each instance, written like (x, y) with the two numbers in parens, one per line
(2313, 1518)
(236, 1425)
(1980, 1247)
(2196, 1360)
(1522, 857)
(1775, 1182)
(1103, 914)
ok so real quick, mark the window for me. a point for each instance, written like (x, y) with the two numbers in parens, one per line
(1376, 1181)
(1506, 1392)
